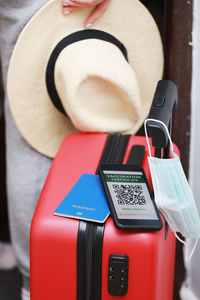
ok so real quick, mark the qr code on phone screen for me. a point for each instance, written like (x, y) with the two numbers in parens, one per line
(128, 194)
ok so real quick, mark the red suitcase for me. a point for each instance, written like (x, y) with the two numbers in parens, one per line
(59, 262)
(71, 259)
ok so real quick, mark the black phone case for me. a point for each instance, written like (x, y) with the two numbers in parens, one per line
(125, 224)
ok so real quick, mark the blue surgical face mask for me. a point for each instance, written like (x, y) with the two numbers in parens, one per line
(173, 195)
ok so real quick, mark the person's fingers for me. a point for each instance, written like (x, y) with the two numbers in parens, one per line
(68, 9)
(88, 2)
(72, 4)
(97, 12)
(81, 4)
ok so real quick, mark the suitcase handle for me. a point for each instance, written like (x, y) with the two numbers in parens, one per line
(164, 101)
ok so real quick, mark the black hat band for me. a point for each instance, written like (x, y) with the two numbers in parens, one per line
(66, 41)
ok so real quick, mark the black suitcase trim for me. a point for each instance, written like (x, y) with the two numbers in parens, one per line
(90, 235)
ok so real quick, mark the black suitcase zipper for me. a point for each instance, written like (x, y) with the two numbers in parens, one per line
(90, 235)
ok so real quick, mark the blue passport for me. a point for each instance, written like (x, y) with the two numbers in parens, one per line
(85, 201)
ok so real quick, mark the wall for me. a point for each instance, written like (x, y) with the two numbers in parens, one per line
(194, 171)
(193, 270)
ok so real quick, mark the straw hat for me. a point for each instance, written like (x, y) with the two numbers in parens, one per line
(63, 78)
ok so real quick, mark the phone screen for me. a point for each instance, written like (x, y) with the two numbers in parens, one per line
(130, 195)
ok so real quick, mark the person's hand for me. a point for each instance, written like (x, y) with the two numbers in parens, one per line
(100, 7)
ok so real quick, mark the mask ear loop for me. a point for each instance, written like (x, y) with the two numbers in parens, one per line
(180, 239)
(185, 250)
(167, 131)
(191, 253)
(147, 138)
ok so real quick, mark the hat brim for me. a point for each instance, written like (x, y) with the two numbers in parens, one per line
(39, 122)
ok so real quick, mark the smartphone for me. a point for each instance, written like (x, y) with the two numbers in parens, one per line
(129, 197)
